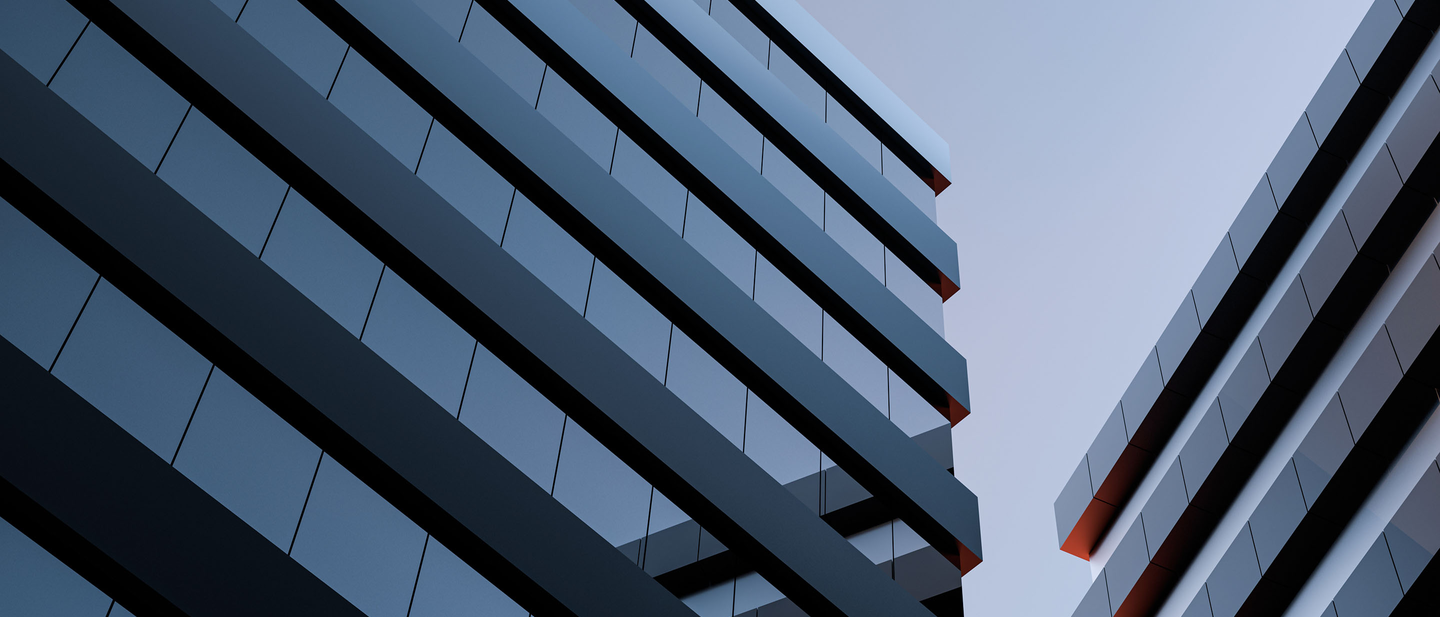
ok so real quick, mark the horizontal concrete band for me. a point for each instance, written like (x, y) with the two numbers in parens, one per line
(1300, 178)
(105, 505)
(278, 117)
(193, 277)
(807, 141)
(629, 96)
(1394, 197)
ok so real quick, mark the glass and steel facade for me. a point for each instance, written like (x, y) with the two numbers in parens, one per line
(1275, 454)
(508, 307)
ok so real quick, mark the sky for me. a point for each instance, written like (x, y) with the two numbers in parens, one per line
(1100, 150)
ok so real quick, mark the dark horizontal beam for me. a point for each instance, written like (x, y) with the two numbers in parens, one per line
(475, 105)
(254, 97)
(162, 252)
(812, 145)
(105, 505)
(590, 61)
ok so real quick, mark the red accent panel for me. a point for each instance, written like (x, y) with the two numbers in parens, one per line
(965, 560)
(1096, 519)
(938, 182)
(954, 411)
(945, 287)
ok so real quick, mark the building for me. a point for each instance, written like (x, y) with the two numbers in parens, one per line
(1275, 453)
(351, 307)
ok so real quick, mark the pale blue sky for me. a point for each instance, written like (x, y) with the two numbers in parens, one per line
(1101, 149)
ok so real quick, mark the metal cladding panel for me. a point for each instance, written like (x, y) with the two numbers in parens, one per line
(213, 292)
(432, 247)
(736, 331)
(102, 502)
(688, 148)
(844, 174)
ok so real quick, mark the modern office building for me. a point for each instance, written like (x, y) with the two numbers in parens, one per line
(342, 307)
(1275, 453)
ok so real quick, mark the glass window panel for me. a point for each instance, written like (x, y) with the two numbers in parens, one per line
(119, 95)
(1372, 588)
(1235, 576)
(776, 446)
(297, 37)
(540, 245)
(855, 239)
(854, 362)
(34, 583)
(852, 131)
(358, 544)
(1414, 531)
(38, 33)
(503, 53)
(649, 182)
(909, 410)
(664, 514)
(448, 587)
(877, 543)
(381, 109)
(600, 489)
(613, 20)
(915, 293)
(1277, 516)
(466, 181)
(787, 304)
(752, 591)
(907, 540)
(672, 539)
(248, 459)
(1202, 451)
(513, 418)
(629, 321)
(740, 27)
(450, 14)
(134, 369)
(707, 387)
(717, 601)
(1125, 566)
(419, 341)
(910, 185)
(793, 183)
(662, 64)
(798, 81)
(730, 126)
(1323, 450)
(223, 180)
(42, 287)
(720, 244)
(577, 119)
(1369, 383)
(323, 262)
(1096, 602)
